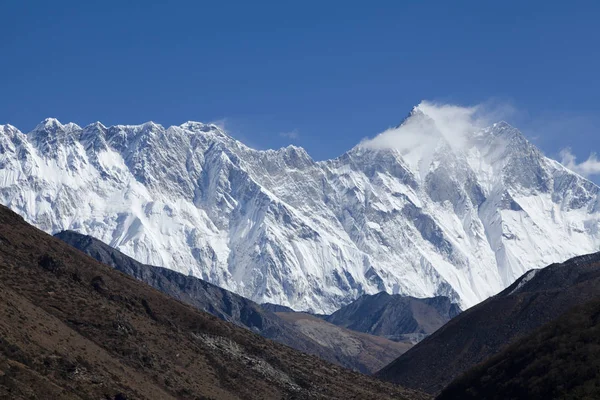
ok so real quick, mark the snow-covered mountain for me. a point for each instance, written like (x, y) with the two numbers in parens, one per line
(430, 217)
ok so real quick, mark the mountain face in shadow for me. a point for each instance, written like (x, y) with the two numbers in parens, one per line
(559, 360)
(536, 298)
(236, 309)
(395, 317)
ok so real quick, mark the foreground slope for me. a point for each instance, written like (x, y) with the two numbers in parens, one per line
(536, 298)
(395, 317)
(201, 294)
(74, 328)
(424, 219)
(561, 360)
(366, 354)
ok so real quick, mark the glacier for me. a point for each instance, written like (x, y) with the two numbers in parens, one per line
(429, 218)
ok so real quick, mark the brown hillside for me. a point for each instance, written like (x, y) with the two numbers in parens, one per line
(72, 328)
(369, 353)
(478, 333)
(561, 360)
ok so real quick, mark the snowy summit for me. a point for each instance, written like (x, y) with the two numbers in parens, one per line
(440, 205)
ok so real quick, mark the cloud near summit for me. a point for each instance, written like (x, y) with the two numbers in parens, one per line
(292, 135)
(589, 167)
(429, 121)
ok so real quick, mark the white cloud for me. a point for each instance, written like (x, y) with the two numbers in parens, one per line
(430, 122)
(589, 167)
(292, 135)
(220, 123)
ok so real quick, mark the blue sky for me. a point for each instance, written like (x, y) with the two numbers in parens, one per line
(322, 75)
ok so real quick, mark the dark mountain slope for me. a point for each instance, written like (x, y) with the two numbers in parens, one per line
(561, 360)
(395, 316)
(276, 308)
(73, 328)
(230, 306)
(476, 334)
(205, 296)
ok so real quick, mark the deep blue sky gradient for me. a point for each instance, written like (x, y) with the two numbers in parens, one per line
(332, 72)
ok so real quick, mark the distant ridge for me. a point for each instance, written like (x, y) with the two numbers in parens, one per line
(368, 356)
(395, 317)
(423, 210)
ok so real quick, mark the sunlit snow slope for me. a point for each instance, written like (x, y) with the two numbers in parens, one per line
(433, 218)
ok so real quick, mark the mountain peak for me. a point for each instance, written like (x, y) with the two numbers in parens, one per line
(197, 126)
(415, 112)
(152, 125)
(48, 124)
(200, 127)
(96, 124)
(8, 128)
(502, 125)
(409, 214)
(71, 126)
(503, 128)
(507, 133)
(53, 125)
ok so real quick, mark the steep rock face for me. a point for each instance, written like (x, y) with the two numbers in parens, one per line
(395, 317)
(275, 226)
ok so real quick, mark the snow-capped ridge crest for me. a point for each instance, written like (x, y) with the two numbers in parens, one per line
(48, 123)
(151, 125)
(8, 128)
(414, 112)
(200, 127)
(421, 218)
(197, 126)
(502, 125)
(95, 125)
